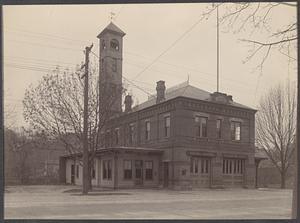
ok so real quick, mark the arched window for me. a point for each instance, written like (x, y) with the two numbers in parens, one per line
(103, 44)
(114, 44)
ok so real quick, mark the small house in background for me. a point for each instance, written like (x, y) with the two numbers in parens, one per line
(183, 137)
(268, 175)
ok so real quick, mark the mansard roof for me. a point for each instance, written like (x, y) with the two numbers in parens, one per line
(186, 90)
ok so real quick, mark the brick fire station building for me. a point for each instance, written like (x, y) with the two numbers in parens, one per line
(183, 137)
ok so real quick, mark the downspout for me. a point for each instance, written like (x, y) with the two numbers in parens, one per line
(115, 171)
(172, 138)
(256, 173)
(173, 171)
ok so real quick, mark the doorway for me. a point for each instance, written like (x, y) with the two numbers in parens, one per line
(139, 172)
(72, 174)
(166, 174)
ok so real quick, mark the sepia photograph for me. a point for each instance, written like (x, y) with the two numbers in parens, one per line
(150, 111)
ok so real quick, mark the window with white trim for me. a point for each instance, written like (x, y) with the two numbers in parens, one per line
(131, 133)
(199, 165)
(201, 126)
(149, 170)
(167, 126)
(127, 169)
(233, 166)
(219, 127)
(147, 130)
(117, 136)
(235, 128)
(106, 167)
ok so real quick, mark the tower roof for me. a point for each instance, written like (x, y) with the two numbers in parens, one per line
(111, 27)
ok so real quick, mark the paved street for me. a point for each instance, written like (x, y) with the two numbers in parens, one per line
(65, 202)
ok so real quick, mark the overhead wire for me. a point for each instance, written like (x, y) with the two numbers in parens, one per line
(153, 61)
(140, 88)
(171, 46)
(47, 35)
(131, 53)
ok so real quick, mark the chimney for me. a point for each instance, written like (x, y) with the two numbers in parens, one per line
(128, 103)
(160, 91)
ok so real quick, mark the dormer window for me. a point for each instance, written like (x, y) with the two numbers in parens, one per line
(114, 44)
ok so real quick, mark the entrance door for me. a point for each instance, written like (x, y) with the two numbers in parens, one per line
(72, 174)
(139, 172)
(166, 174)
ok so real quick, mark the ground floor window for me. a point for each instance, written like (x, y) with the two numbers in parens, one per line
(107, 169)
(127, 169)
(149, 170)
(199, 165)
(93, 172)
(233, 166)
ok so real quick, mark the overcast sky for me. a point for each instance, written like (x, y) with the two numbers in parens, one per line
(37, 38)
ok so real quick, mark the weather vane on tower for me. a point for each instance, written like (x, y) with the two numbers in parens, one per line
(112, 16)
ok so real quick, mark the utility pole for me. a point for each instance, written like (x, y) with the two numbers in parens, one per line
(85, 172)
(218, 48)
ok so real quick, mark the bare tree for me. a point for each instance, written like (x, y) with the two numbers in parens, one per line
(9, 115)
(55, 106)
(276, 126)
(17, 152)
(263, 35)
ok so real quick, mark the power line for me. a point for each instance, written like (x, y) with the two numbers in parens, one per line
(186, 68)
(45, 45)
(64, 38)
(209, 81)
(126, 78)
(28, 68)
(172, 45)
(136, 86)
(38, 59)
(47, 35)
(37, 65)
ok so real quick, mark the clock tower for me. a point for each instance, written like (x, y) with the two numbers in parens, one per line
(110, 68)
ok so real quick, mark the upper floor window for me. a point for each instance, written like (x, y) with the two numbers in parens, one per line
(114, 64)
(131, 133)
(114, 44)
(117, 136)
(147, 132)
(102, 65)
(102, 139)
(201, 126)
(107, 139)
(167, 126)
(103, 45)
(218, 126)
(235, 128)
